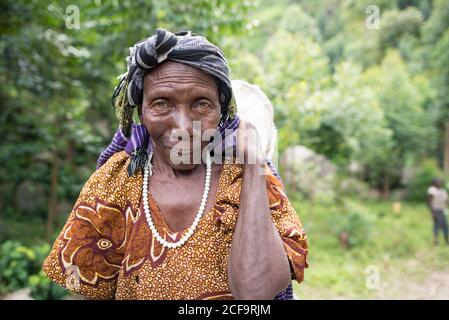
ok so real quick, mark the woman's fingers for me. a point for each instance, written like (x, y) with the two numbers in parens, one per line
(248, 144)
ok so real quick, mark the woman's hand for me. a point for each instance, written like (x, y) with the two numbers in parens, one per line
(249, 151)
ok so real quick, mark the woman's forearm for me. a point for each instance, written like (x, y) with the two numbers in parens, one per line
(258, 267)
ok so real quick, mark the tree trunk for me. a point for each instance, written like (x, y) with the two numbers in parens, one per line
(386, 186)
(446, 149)
(53, 197)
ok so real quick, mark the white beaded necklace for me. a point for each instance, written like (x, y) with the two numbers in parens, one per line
(148, 171)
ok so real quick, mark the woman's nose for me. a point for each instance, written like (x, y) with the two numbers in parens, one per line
(183, 122)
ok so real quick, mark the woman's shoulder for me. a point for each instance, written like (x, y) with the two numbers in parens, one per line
(116, 163)
(111, 183)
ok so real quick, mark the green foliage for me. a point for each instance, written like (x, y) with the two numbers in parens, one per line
(356, 117)
(353, 220)
(289, 90)
(396, 24)
(348, 92)
(248, 67)
(20, 267)
(296, 20)
(435, 45)
(43, 288)
(417, 187)
(354, 225)
(16, 264)
(403, 100)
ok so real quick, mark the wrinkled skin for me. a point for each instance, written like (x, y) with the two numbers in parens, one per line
(175, 95)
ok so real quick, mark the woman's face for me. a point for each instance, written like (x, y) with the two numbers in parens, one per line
(179, 100)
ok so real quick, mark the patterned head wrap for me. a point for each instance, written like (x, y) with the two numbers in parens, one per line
(183, 47)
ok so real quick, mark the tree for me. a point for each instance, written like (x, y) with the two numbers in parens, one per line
(296, 67)
(403, 100)
(435, 42)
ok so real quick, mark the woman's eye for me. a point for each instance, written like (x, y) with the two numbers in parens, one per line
(203, 104)
(160, 105)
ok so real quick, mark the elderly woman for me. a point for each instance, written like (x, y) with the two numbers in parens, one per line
(146, 226)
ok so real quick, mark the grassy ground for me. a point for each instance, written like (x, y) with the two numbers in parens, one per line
(391, 255)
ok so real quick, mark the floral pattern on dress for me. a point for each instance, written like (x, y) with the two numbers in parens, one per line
(94, 242)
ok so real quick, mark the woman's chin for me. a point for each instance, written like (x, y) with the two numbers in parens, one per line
(183, 167)
(184, 161)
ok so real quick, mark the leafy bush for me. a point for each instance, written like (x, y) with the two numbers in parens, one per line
(17, 262)
(352, 228)
(417, 186)
(20, 267)
(43, 288)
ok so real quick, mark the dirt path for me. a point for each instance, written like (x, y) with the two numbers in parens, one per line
(435, 286)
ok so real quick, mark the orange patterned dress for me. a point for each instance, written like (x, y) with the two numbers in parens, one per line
(106, 249)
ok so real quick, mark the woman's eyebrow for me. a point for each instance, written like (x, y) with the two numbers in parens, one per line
(160, 91)
(206, 92)
(202, 95)
(168, 91)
